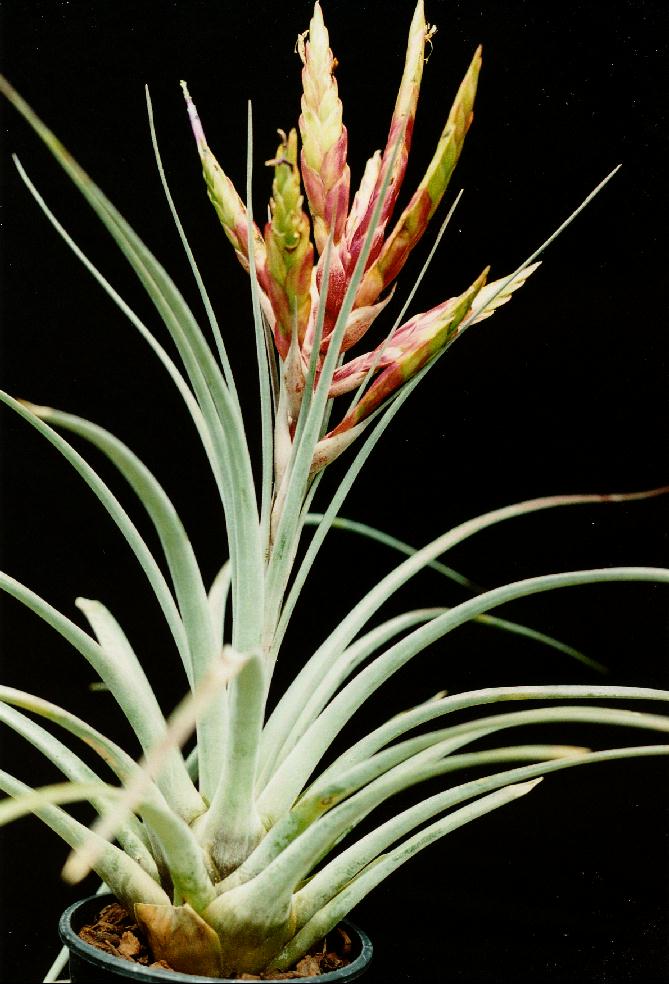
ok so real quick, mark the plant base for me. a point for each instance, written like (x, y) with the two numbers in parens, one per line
(90, 965)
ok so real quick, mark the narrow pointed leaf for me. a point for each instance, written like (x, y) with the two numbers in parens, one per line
(290, 778)
(302, 852)
(130, 836)
(178, 730)
(127, 683)
(290, 706)
(176, 377)
(203, 646)
(124, 876)
(351, 659)
(331, 914)
(118, 515)
(372, 533)
(213, 321)
(123, 766)
(431, 710)
(118, 650)
(224, 424)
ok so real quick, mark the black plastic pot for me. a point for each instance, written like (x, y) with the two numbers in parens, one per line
(88, 965)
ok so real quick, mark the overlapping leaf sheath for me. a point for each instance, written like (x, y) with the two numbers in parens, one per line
(401, 129)
(492, 296)
(286, 273)
(388, 255)
(292, 280)
(324, 140)
(229, 206)
(421, 208)
(413, 345)
(347, 247)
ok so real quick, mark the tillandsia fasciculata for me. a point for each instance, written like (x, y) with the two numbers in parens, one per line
(229, 857)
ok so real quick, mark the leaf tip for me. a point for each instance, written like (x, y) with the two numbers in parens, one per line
(36, 410)
(522, 788)
(75, 869)
(196, 125)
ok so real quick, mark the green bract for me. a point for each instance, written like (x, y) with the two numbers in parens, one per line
(237, 848)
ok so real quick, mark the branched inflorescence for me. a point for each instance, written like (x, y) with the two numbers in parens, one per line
(230, 859)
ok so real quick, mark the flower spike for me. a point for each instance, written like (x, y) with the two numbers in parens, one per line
(412, 346)
(401, 128)
(421, 208)
(325, 172)
(229, 207)
(496, 294)
(286, 275)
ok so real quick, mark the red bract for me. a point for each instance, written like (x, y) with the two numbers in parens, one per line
(292, 285)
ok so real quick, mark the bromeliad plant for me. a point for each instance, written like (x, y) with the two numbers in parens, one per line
(230, 859)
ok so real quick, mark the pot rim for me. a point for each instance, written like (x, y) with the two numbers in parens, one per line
(134, 971)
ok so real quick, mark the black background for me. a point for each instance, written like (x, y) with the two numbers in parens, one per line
(561, 392)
